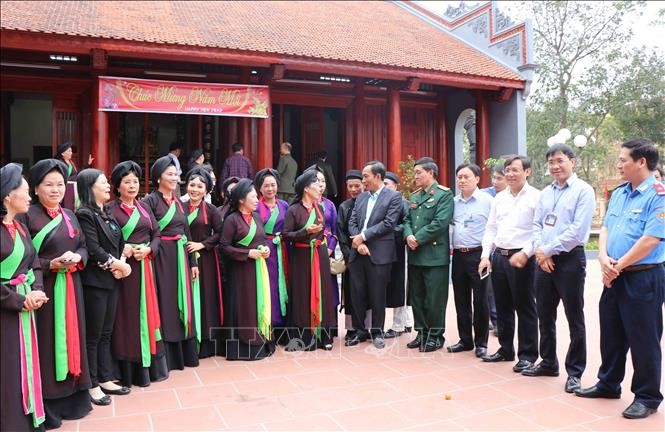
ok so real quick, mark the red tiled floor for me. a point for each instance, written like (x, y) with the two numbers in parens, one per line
(363, 419)
(208, 395)
(361, 388)
(198, 419)
(316, 423)
(550, 413)
(249, 412)
(497, 420)
(138, 422)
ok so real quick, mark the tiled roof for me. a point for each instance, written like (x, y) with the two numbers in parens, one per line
(378, 33)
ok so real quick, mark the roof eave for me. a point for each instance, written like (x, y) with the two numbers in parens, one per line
(82, 45)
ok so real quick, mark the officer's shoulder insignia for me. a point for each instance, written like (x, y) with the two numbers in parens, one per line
(660, 188)
(442, 187)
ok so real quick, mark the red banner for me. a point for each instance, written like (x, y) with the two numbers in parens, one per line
(174, 97)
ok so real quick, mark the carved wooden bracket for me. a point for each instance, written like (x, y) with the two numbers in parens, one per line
(99, 59)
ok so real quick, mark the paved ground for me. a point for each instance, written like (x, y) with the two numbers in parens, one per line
(360, 388)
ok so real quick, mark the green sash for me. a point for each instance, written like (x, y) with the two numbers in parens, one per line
(196, 284)
(30, 372)
(168, 216)
(312, 247)
(145, 330)
(262, 286)
(245, 241)
(269, 226)
(59, 305)
(46, 230)
(133, 220)
(70, 168)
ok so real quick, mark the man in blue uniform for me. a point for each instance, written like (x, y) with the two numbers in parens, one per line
(631, 255)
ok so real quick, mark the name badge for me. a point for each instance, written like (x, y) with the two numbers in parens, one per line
(468, 221)
(550, 219)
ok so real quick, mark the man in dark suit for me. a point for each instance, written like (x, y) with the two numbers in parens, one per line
(372, 227)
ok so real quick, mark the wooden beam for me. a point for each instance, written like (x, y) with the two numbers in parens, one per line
(505, 94)
(413, 84)
(277, 71)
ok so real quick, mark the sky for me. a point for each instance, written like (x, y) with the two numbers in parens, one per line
(643, 27)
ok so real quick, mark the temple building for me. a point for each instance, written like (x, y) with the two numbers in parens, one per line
(361, 80)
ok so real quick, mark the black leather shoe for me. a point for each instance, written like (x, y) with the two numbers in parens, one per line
(637, 410)
(572, 384)
(497, 357)
(392, 334)
(481, 352)
(458, 347)
(407, 329)
(540, 370)
(416, 343)
(594, 392)
(431, 346)
(103, 401)
(349, 334)
(522, 365)
(356, 339)
(120, 392)
(378, 342)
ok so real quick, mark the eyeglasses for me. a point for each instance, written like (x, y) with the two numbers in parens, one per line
(557, 162)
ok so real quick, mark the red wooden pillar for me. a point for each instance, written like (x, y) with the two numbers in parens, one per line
(99, 127)
(264, 156)
(245, 123)
(482, 137)
(359, 125)
(394, 130)
(441, 154)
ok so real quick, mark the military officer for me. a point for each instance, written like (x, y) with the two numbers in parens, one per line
(427, 238)
(631, 255)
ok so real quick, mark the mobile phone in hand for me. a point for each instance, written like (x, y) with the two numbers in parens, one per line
(485, 273)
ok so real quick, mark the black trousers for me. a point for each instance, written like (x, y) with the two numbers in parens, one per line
(369, 283)
(467, 285)
(514, 293)
(100, 307)
(631, 317)
(565, 284)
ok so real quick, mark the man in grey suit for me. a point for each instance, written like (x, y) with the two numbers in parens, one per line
(371, 227)
(287, 167)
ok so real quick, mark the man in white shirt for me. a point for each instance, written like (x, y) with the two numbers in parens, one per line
(509, 233)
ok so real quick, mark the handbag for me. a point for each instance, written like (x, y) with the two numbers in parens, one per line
(337, 265)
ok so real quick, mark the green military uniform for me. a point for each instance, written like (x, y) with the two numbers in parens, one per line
(428, 219)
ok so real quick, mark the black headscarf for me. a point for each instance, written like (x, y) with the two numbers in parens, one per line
(202, 174)
(224, 191)
(195, 155)
(354, 174)
(41, 169)
(84, 182)
(10, 179)
(62, 148)
(121, 170)
(392, 176)
(239, 192)
(305, 179)
(159, 167)
(260, 177)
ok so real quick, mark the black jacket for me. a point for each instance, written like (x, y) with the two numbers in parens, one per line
(103, 238)
(380, 232)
